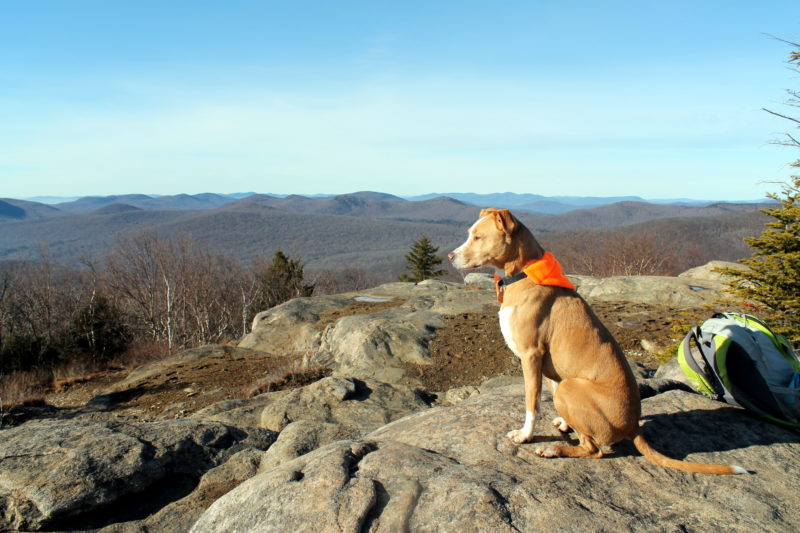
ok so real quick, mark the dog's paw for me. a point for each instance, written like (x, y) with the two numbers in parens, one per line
(519, 436)
(546, 451)
(561, 424)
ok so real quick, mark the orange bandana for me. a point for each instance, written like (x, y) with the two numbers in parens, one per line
(543, 271)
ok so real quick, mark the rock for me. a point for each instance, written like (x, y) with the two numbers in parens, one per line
(459, 394)
(303, 436)
(657, 290)
(291, 326)
(708, 271)
(180, 515)
(651, 387)
(501, 381)
(351, 402)
(479, 280)
(671, 370)
(452, 469)
(373, 345)
(378, 345)
(75, 473)
(651, 347)
(360, 404)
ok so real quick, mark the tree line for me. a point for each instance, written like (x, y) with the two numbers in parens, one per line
(164, 293)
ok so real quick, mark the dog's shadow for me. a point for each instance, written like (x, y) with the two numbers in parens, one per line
(723, 429)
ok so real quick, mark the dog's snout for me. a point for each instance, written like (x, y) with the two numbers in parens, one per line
(451, 256)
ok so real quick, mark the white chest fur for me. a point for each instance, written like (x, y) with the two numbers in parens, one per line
(505, 314)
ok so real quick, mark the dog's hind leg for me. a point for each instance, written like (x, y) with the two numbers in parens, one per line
(595, 415)
(586, 448)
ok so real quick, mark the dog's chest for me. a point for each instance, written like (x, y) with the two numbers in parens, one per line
(505, 314)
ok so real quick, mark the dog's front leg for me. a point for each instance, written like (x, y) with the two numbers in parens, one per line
(532, 373)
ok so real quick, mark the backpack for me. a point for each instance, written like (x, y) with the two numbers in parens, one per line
(738, 359)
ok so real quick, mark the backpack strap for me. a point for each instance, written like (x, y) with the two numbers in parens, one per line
(701, 372)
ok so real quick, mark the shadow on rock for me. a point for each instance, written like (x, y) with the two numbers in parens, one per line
(136, 506)
(703, 425)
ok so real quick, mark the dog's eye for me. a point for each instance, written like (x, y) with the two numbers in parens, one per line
(476, 238)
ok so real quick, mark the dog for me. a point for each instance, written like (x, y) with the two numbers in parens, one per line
(555, 334)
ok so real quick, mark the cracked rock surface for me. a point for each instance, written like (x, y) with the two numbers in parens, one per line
(75, 474)
(452, 469)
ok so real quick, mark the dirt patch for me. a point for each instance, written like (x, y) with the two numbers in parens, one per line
(632, 323)
(185, 386)
(290, 380)
(470, 348)
(466, 351)
(356, 307)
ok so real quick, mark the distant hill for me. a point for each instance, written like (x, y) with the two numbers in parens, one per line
(626, 214)
(531, 202)
(8, 210)
(553, 205)
(115, 208)
(368, 205)
(11, 208)
(142, 201)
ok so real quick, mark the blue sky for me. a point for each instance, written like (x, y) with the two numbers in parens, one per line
(656, 99)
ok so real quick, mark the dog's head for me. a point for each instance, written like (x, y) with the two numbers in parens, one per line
(489, 241)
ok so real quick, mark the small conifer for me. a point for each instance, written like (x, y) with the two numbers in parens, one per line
(421, 261)
(281, 280)
(773, 278)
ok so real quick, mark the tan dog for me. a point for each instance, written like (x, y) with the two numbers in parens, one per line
(554, 333)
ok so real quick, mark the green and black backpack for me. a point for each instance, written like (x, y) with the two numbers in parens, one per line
(738, 359)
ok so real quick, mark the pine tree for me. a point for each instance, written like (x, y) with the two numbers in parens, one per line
(773, 277)
(280, 280)
(421, 261)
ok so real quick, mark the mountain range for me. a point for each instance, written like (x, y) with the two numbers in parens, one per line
(371, 229)
(518, 201)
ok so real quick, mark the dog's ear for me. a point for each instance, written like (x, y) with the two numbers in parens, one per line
(488, 211)
(505, 221)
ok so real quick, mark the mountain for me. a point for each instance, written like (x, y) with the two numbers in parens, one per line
(554, 205)
(626, 214)
(11, 208)
(531, 202)
(142, 201)
(8, 210)
(112, 209)
(368, 205)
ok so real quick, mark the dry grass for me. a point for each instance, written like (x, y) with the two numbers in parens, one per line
(24, 388)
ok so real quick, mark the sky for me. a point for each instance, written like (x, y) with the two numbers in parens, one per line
(653, 99)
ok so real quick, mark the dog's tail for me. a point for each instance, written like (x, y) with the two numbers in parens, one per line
(662, 460)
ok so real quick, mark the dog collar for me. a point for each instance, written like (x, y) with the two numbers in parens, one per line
(543, 271)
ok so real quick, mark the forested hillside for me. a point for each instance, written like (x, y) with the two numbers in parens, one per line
(371, 231)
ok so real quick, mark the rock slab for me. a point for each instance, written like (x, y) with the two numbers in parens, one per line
(452, 469)
(65, 474)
